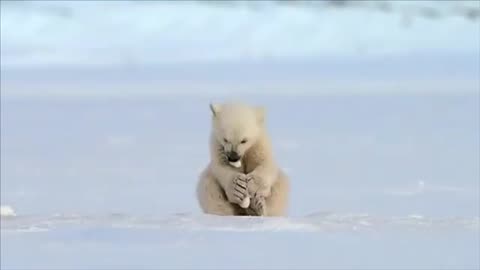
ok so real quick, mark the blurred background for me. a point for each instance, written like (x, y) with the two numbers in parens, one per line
(105, 104)
(373, 108)
(224, 48)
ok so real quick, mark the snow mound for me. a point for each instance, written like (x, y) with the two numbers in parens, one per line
(7, 211)
(316, 222)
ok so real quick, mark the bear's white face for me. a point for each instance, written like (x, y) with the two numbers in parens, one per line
(236, 128)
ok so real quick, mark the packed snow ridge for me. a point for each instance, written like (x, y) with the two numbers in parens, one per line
(7, 211)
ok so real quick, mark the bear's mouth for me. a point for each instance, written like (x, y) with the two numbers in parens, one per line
(233, 156)
(235, 160)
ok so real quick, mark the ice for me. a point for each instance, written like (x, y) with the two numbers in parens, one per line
(236, 164)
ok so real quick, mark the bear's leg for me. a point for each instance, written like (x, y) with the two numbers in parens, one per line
(277, 202)
(213, 200)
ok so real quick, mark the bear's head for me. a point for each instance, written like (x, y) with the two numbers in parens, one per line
(236, 127)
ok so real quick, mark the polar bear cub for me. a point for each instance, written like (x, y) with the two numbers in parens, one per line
(242, 177)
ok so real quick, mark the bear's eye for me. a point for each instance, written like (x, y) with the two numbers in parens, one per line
(243, 141)
(225, 140)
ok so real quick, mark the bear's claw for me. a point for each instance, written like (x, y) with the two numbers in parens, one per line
(240, 191)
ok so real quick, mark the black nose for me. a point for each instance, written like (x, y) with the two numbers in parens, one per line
(233, 156)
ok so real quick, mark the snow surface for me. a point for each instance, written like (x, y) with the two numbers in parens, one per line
(111, 184)
(377, 123)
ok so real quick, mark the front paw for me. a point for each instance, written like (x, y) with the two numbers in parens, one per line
(259, 206)
(239, 191)
(257, 185)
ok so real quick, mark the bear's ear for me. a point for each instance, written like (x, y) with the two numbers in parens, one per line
(215, 108)
(260, 112)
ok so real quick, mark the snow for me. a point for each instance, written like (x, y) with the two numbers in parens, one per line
(134, 33)
(101, 146)
(217, 50)
(392, 191)
(6, 211)
(193, 241)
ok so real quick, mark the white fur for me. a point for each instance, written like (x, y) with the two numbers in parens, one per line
(241, 128)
